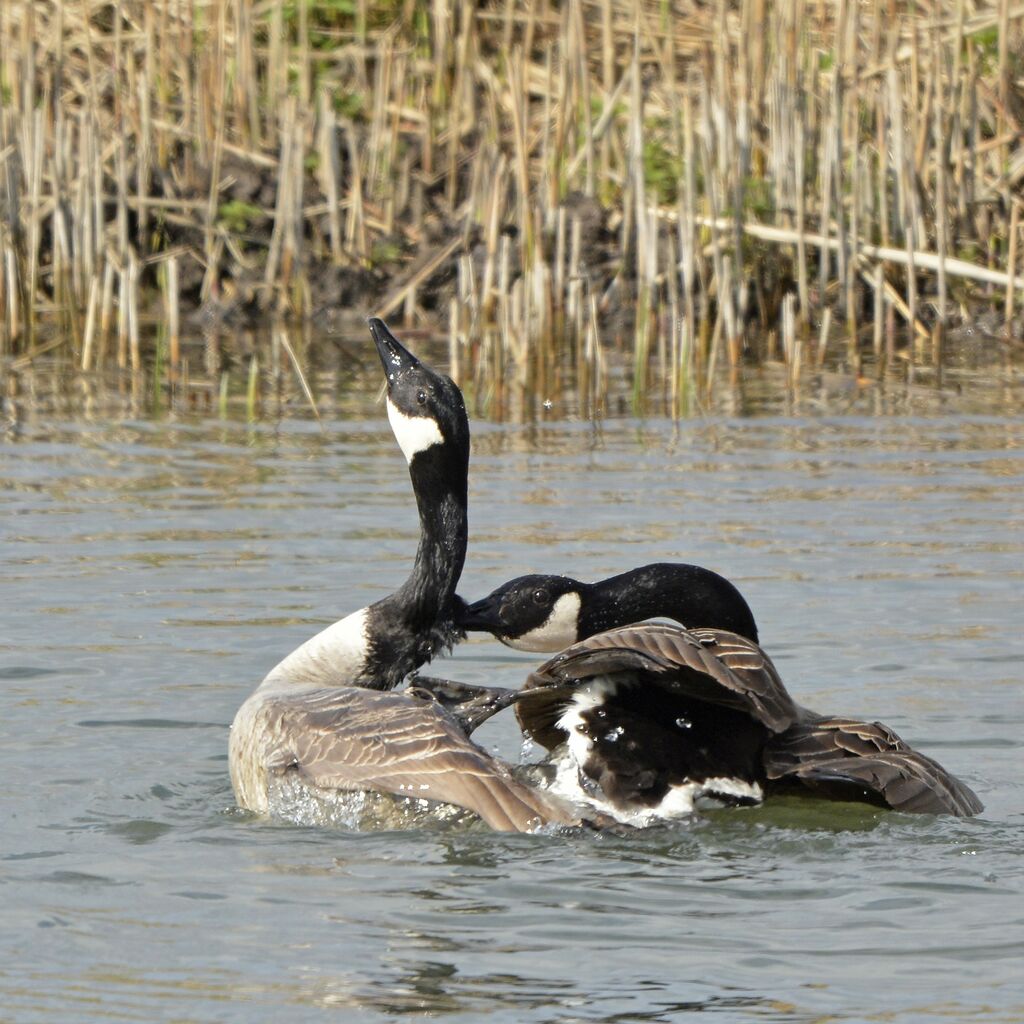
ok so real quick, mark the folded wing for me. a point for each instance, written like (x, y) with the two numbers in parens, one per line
(356, 739)
(844, 756)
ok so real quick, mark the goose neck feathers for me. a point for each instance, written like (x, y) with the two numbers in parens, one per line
(690, 594)
(377, 646)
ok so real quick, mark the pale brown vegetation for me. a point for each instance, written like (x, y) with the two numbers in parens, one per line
(541, 180)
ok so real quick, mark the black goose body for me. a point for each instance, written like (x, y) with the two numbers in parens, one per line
(327, 715)
(748, 727)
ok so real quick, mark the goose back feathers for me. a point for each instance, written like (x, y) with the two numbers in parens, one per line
(655, 716)
(348, 738)
(708, 666)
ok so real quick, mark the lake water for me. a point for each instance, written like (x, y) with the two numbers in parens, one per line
(154, 570)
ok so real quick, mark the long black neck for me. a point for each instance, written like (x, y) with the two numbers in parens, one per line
(420, 618)
(444, 531)
(693, 596)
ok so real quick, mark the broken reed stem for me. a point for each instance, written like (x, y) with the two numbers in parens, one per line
(282, 339)
(920, 260)
(1011, 262)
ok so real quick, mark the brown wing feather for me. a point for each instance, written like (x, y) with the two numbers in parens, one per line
(706, 664)
(354, 739)
(836, 754)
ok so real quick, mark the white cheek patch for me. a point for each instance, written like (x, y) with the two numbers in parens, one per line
(413, 433)
(556, 632)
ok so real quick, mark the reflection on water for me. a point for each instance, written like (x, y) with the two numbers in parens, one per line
(248, 376)
(154, 570)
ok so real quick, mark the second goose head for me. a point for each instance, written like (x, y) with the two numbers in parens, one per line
(547, 613)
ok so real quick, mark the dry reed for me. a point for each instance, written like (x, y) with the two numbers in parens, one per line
(553, 181)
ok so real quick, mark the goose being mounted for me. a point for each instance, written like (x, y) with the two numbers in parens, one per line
(648, 718)
(327, 717)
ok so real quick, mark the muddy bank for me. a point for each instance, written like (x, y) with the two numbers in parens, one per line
(417, 270)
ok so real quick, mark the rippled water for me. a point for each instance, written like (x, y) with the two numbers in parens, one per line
(153, 572)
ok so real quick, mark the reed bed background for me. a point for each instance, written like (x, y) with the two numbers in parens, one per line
(685, 184)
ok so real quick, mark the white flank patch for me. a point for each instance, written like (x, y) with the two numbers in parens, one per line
(559, 629)
(413, 433)
(334, 657)
(589, 696)
(676, 803)
(738, 788)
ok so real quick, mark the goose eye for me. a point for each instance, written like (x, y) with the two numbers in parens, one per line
(421, 397)
(541, 596)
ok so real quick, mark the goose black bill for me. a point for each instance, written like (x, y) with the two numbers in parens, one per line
(482, 616)
(393, 354)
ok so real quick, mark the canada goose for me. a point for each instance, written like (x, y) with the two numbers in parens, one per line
(326, 716)
(654, 715)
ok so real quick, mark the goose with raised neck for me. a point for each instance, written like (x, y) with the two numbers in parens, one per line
(327, 717)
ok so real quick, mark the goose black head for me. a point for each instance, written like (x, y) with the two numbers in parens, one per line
(425, 408)
(547, 613)
(530, 613)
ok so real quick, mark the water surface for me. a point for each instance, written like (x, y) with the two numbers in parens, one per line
(154, 570)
